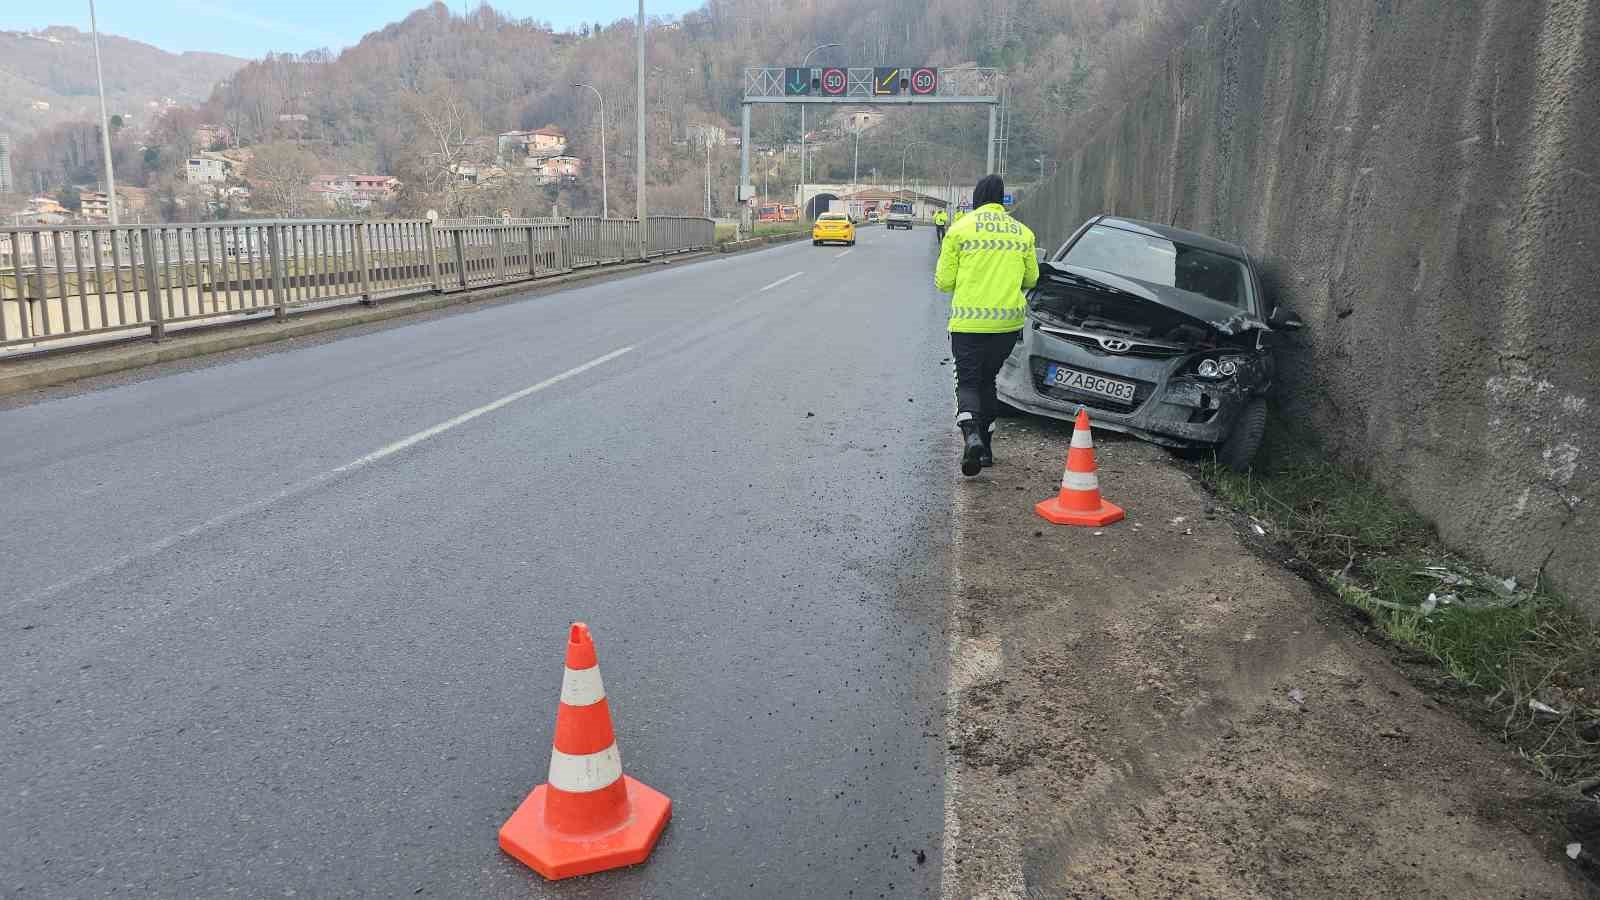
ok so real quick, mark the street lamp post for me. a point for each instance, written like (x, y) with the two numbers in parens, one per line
(803, 63)
(708, 169)
(903, 161)
(855, 167)
(605, 200)
(644, 245)
(105, 124)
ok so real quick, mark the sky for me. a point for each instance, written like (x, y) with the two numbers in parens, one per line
(252, 28)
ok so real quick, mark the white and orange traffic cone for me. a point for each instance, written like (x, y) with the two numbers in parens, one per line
(1079, 502)
(589, 817)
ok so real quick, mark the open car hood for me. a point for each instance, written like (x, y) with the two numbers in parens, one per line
(1088, 283)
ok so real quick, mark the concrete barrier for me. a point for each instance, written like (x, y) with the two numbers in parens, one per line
(1421, 180)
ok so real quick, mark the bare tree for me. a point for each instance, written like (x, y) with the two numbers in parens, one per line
(448, 150)
(280, 179)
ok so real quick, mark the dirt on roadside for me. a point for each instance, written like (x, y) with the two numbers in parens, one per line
(1152, 710)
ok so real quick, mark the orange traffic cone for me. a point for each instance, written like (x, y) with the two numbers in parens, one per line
(589, 817)
(1079, 502)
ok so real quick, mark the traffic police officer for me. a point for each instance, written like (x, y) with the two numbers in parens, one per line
(987, 259)
(940, 220)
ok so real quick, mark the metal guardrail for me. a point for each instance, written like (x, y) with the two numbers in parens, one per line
(73, 282)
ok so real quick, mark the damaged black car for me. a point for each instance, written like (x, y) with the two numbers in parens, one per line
(1158, 332)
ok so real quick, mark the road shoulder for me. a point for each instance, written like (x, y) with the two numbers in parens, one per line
(1152, 710)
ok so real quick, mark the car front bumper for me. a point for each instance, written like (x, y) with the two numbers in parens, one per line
(1169, 407)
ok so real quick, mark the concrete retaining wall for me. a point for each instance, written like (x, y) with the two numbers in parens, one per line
(1423, 180)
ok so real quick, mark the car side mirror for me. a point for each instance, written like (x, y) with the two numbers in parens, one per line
(1039, 254)
(1283, 320)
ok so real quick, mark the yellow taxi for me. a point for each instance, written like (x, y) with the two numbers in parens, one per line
(833, 227)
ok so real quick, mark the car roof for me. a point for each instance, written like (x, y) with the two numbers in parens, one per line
(1176, 235)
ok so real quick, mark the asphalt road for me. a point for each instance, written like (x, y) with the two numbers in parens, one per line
(292, 623)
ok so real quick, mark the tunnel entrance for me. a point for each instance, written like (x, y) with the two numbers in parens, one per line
(819, 204)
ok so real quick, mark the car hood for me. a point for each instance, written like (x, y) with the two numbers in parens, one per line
(1221, 317)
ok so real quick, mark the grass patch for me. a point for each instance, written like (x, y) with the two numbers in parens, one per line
(1529, 657)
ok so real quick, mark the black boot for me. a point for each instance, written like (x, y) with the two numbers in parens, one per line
(972, 448)
(986, 456)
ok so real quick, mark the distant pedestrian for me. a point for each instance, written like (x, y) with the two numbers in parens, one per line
(940, 220)
(987, 260)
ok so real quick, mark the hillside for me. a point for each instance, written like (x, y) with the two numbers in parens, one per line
(409, 98)
(56, 66)
(422, 99)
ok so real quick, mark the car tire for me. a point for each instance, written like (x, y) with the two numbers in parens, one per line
(1239, 450)
(852, 242)
(816, 243)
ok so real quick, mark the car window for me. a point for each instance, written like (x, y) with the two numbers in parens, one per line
(833, 217)
(1157, 260)
(901, 208)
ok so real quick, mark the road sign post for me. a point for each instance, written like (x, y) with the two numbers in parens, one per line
(745, 225)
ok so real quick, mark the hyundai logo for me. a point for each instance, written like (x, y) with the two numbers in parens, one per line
(1115, 345)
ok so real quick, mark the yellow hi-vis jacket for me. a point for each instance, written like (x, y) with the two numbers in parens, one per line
(987, 259)
(940, 217)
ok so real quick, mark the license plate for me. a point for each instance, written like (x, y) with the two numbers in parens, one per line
(1061, 376)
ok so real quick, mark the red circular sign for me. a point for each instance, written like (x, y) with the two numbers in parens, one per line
(924, 81)
(833, 81)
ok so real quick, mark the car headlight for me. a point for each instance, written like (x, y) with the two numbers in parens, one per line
(1217, 369)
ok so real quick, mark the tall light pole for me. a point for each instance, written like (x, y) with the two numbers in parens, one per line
(706, 133)
(639, 149)
(855, 167)
(105, 123)
(803, 63)
(605, 202)
(903, 161)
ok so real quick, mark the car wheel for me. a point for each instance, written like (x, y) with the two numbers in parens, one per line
(852, 242)
(816, 243)
(1240, 448)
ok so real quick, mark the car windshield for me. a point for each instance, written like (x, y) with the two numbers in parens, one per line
(833, 217)
(1156, 260)
(901, 208)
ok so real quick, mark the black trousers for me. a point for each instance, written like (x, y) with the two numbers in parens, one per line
(938, 231)
(978, 360)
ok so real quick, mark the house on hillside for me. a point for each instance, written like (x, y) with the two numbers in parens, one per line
(701, 134)
(44, 211)
(862, 120)
(358, 191)
(94, 206)
(206, 169)
(540, 143)
(554, 169)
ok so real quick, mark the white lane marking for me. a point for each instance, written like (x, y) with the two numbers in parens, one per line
(233, 515)
(846, 253)
(785, 280)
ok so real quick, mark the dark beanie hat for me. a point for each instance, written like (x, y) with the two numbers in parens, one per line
(990, 189)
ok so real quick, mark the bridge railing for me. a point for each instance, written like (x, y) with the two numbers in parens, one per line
(76, 283)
